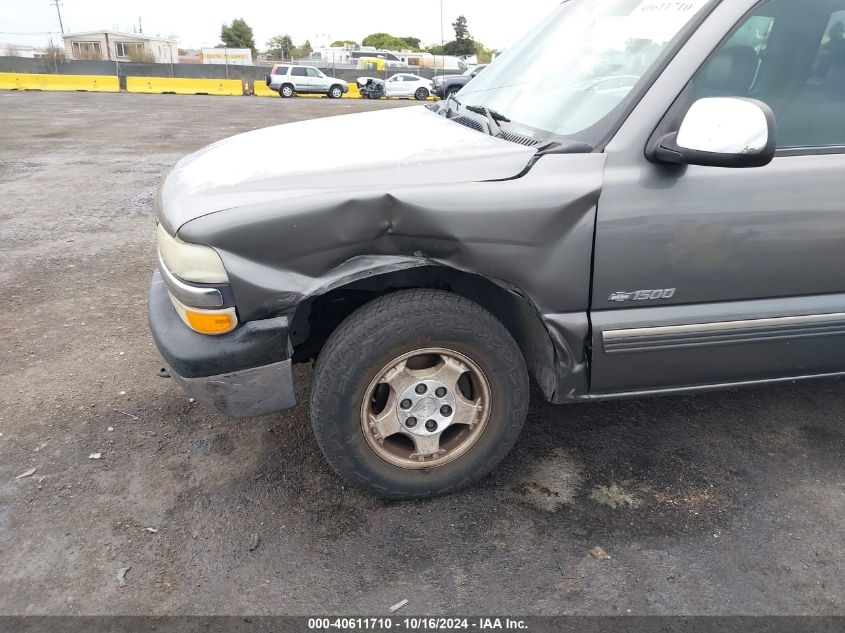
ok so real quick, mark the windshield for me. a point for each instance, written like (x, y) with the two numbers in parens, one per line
(575, 68)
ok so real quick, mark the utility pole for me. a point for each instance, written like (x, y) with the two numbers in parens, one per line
(442, 43)
(55, 3)
(140, 28)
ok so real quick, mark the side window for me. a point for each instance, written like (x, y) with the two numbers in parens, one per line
(793, 60)
(298, 72)
(312, 72)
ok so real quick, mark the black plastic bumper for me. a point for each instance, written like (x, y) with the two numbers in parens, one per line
(244, 373)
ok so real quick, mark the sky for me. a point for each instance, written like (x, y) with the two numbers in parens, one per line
(197, 23)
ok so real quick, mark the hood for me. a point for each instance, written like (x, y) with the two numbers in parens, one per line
(386, 149)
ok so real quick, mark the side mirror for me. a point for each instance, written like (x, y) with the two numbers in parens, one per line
(721, 132)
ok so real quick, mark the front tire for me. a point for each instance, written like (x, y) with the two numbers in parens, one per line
(421, 94)
(418, 393)
(286, 91)
(335, 92)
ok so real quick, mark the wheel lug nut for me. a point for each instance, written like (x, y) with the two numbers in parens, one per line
(431, 425)
(421, 389)
(411, 422)
(445, 410)
(440, 392)
(405, 404)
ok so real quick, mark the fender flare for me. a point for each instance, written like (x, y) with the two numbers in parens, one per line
(549, 358)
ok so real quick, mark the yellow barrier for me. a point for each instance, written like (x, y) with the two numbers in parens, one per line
(158, 85)
(260, 89)
(353, 91)
(33, 81)
(148, 85)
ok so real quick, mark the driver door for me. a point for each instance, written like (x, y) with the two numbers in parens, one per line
(707, 276)
(393, 87)
(299, 77)
(317, 82)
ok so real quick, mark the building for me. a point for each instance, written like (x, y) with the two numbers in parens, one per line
(333, 55)
(17, 50)
(229, 56)
(123, 47)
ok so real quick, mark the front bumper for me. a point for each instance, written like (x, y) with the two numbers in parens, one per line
(242, 374)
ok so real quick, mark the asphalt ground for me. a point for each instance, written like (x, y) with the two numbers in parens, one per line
(730, 503)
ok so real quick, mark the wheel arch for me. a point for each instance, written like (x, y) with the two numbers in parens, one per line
(320, 314)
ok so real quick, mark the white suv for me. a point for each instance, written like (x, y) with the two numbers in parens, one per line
(289, 80)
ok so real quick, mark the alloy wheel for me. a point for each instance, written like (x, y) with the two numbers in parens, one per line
(425, 408)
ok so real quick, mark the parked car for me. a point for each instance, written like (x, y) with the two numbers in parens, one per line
(398, 85)
(370, 87)
(667, 239)
(446, 85)
(288, 79)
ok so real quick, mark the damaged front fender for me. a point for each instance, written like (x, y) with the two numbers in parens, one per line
(533, 233)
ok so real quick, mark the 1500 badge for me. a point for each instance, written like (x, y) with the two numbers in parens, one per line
(642, 295)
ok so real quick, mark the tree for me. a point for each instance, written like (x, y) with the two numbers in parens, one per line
(461, 30)
(390, 42)
(238, 35)
(461, 47)
(463, 44)
(412, 43)
(54, 53)
(280, 47)
(344, 43)
(305, 50)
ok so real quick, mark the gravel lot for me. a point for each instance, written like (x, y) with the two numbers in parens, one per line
(730, 503)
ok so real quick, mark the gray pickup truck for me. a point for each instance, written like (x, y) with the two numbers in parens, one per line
(445, 86)
(677, 234)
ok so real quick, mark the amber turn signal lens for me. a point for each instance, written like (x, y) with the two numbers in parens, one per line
(206, 321)
(209, 323)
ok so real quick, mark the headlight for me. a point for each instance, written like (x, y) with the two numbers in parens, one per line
(190, 262)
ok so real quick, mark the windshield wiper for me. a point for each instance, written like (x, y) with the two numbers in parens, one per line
(495, 119)
(496, 116)
(449, 101)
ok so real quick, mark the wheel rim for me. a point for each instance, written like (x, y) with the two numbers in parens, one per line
(425, 408)
(421, 94)
(336, 93)
(286, 91)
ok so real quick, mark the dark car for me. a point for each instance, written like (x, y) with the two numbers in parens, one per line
(445, 85)
(675, 234)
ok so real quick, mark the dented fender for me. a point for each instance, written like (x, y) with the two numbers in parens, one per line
(532, 234)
